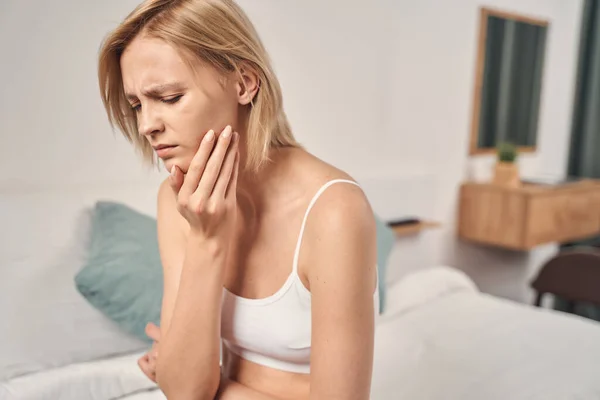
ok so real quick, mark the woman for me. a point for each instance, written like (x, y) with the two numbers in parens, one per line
(266, 249)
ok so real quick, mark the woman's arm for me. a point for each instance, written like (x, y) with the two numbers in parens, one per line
(172, 237)
(341, 257)
(188, 363)
(171, 228)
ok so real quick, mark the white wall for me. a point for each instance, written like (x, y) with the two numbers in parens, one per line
(381, 89)
(432, 92)
(51, 118)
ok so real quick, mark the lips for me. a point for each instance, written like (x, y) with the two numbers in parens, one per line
(164, 150)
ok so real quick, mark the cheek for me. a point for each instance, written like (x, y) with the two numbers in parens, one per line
(218, 108)
(189, 124)
(195, 117)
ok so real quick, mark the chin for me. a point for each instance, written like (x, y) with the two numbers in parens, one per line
(183, 165)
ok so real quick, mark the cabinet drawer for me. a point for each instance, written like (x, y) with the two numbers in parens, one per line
(562, 217)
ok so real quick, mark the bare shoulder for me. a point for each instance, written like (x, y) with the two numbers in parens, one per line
(342, 202)
(341, 218)
(342, 211)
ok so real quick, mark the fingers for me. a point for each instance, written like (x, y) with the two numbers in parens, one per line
(176, 179)
(153, 331)
(197, 166)
(147, 362)
(154, 351)
(213, 166)
(148, 367)
(226, 170)
(232, 187)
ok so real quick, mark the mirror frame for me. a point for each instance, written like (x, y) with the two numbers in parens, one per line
(485, 13)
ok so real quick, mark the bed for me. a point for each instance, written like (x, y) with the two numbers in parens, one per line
(439, 337)
(446, 340)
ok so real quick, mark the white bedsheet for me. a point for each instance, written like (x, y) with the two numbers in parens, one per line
(460, 344)
(96, 380)
(155, 394)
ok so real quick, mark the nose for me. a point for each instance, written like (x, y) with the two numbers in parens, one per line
(149, 122)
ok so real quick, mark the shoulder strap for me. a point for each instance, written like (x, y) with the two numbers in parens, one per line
(310, 206)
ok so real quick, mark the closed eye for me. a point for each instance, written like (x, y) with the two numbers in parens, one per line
(172, 100)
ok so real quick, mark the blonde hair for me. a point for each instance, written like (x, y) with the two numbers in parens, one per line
(220, 34)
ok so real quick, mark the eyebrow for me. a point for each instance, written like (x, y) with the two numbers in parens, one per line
(157, 90)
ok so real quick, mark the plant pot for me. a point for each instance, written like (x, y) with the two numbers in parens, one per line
(506, 174)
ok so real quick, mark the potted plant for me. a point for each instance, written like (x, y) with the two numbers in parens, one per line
(506, 172)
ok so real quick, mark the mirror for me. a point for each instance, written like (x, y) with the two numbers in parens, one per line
(508, 81)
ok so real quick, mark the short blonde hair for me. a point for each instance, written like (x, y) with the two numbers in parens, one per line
(220, 34)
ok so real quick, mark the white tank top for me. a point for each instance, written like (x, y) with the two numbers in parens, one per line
(275, 331)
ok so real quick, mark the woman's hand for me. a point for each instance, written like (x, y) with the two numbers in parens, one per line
(147, 362)
(206, 195)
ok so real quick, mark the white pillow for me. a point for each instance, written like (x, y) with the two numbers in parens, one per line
(422, 287)
(96, 380)
(46, 323)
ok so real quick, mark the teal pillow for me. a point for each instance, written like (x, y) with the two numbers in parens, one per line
(385, 243)
(123, 274)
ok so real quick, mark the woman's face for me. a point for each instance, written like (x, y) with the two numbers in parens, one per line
(176, 105)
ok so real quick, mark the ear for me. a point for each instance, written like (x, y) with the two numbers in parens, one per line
(247, 85)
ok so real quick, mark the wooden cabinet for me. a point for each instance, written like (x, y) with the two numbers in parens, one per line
(528, 216)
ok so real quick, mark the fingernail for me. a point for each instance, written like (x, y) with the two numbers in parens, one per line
(210, 135)
(173, 170)
(227, 132)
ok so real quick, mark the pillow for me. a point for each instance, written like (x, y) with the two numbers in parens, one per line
(422, 287)
(385, 242)
(123, 274)
(45, 321)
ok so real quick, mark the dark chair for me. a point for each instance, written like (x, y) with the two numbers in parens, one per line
(573, 275)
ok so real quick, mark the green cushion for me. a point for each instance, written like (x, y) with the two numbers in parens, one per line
(385, 243)
(123, 275)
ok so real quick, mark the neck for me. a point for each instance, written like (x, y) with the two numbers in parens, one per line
(269, 184)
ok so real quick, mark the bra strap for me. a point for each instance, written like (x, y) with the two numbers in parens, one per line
(310, 206)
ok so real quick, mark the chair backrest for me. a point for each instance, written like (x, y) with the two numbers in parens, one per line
(573, 275)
